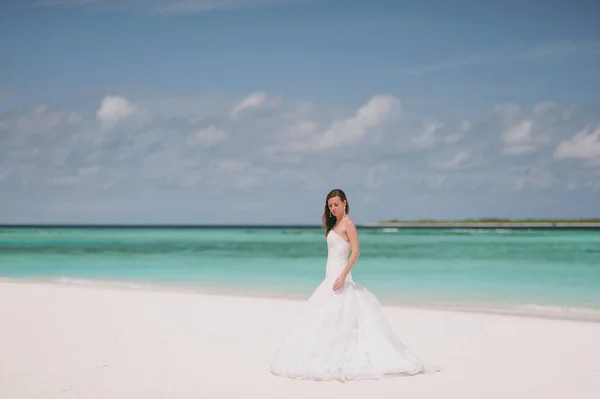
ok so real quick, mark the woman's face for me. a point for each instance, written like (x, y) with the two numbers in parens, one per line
(336, 206)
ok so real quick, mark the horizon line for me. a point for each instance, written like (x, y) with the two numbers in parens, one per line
(484, 222)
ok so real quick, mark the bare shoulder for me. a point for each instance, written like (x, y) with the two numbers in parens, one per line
(350, 223)
(350, 227)
(351, 234)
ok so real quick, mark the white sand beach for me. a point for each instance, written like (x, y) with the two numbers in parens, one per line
(60, 341)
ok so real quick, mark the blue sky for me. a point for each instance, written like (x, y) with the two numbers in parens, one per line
(250, 111)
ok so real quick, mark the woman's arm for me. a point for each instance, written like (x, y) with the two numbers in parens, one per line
(353, 238)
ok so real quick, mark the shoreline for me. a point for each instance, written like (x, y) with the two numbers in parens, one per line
(528, 310)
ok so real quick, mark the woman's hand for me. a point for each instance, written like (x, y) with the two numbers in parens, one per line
(339, 282)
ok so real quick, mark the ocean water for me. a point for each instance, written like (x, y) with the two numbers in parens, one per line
(543, 269)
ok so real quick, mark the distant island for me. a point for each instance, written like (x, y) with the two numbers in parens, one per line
(489, 222)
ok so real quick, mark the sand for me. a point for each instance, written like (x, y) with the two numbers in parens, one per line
(61, 341)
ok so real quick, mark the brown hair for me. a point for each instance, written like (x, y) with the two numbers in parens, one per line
(328, 219)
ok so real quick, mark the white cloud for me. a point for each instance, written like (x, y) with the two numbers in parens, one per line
(194, 109)
(427, 137)
(437, 181)
(507, 112)
(542, 108)
(465, 126)
(39, 121)
(518, 139)
(583, 145)
(303, 130)
(377, 149)
(75, 117)
(257, 104)
(62, 180)
(526, 131)
(113, 109)
(569, 112)
(59, 155)
(456, 162)
(593, 185)
(305, 136)
(230, 165)
(207, 137)
(376, 112)
(452, 138)
(252, 101)
(85, 175)
(534, 176)
(234, 173)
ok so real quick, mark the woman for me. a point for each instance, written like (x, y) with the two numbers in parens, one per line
(342, 334)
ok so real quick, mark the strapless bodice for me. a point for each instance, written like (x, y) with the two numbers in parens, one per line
(338, 251)
(337, 247)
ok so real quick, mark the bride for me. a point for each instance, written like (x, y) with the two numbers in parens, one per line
(342, 334)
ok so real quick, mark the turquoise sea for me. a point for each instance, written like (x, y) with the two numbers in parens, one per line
(556, 269)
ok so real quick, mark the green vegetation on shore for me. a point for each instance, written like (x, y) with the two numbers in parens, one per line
(490, 222)
(494, 220)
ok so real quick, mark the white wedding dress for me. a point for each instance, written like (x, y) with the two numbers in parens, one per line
(343, 335)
